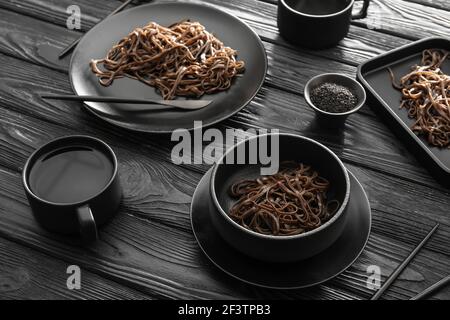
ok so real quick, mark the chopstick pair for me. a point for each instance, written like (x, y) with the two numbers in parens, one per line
(73, 44)
(403, 265)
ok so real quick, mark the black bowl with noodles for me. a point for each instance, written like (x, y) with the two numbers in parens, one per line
(278, 248)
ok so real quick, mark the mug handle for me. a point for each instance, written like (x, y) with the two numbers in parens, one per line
(363, 13)
(88, 228)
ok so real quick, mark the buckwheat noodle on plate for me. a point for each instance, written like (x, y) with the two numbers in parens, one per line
(290, 202)
(183, 59)
(426, 96)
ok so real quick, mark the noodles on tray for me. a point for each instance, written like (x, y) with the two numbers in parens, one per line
(292, 201)
(426, 96)
(181, 60)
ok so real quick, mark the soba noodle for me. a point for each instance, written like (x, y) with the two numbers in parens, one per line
(292, 201)
(181, 60)
(426, 96)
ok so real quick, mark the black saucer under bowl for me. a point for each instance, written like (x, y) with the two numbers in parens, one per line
(293, 275)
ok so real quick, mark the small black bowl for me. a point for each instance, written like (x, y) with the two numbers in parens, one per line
(279, 248)
(331, 119)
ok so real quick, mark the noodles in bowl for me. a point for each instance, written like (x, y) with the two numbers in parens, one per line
(183, 59)
(292, 201)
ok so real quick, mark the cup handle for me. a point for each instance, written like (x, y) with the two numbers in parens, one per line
(88, 228)
(363, 13)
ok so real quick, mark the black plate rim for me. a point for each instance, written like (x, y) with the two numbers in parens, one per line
(205, 176)
(205, 124)
(367, 86)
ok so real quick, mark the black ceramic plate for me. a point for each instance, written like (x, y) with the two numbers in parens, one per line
(385, 100)
(301, 274)
(232, 31)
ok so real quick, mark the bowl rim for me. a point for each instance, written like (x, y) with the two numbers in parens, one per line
(307, 90)
(338, 214)
(300, 13)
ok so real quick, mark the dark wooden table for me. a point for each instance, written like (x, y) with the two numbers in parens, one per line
(148, 251)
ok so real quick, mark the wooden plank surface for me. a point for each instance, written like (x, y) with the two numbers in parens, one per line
(149, 246)
(288, 70)
(158, 260)
(26, 133)
(407, 19)
(357, 47)
(26, 273)
(403, 18)
(440, 4)
(140, 253)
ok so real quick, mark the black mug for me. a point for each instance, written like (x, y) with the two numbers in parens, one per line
(72, 185)
(316, 24)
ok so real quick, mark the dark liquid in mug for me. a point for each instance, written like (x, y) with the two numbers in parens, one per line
(70, 174)
(318, 7)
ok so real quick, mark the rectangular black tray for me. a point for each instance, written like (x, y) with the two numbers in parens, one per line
(385, 100)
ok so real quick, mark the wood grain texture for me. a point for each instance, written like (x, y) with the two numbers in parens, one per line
(165, 205)
(397, 17)
(403, 18)
(41, 47)
(149, 246)
(406, 19)
(288, 68)
(167, 263)
(390, 199)
(28, 274)
(142, 254)
(357, 47)
(171, 186)
(144, 158)
(439, 4)
(55, 11)
(366, 141)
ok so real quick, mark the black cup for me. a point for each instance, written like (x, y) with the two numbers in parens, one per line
(81, 217)
(316, 24)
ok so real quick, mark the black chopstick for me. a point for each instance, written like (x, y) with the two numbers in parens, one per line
(73, 44)
(402, 266)
(69, 97)
(180, 104)
(441, 283)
